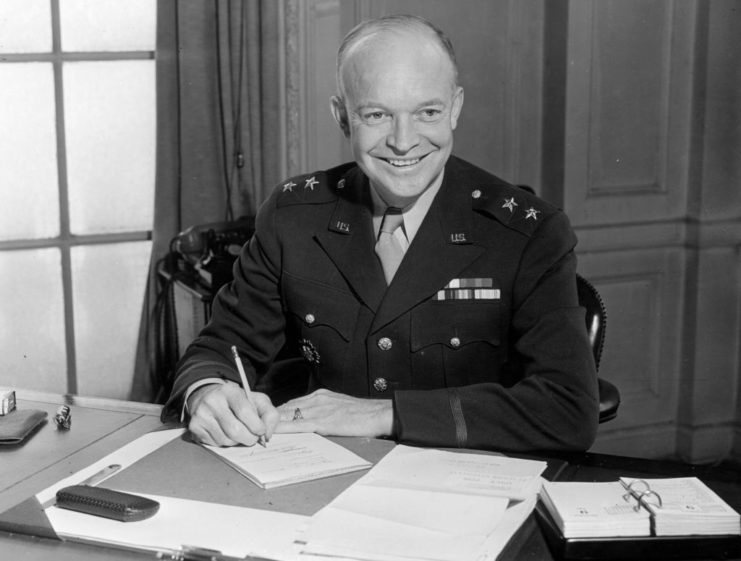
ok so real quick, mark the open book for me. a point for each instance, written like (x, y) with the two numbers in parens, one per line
(291, 458)
(638, 507)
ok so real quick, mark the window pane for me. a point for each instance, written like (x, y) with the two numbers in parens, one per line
(108, 291)
(32, 339)
(25, 26)
(28, 152)
(108, 25)
(110, 121)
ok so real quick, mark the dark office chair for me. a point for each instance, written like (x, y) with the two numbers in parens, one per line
(596, 321)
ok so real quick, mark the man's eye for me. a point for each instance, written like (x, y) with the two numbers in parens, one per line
(430, 114)
(374, 117)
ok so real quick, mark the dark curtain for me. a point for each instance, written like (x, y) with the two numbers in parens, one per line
(218, 135)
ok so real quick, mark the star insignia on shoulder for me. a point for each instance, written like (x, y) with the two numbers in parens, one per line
(341, 184)
(289, 186)
(531, 213)
(310, 182)
(510, 204)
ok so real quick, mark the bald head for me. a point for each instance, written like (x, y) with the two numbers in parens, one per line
(372, 37)
(398, 104)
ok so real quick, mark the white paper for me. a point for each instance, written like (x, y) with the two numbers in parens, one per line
(291, 458)
(235, 531)
(427, 505)
(513, 518)
(462, 473)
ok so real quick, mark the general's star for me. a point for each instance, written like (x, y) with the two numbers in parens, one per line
(531, 213)
(510, 204)
(289, 186)
(311, 182)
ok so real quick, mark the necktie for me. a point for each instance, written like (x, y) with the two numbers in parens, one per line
(389, 248)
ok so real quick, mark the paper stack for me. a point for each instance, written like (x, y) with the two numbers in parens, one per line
(683, 506)
(429, 505)
(590, 510)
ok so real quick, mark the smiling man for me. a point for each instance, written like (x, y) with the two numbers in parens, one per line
(412, 294)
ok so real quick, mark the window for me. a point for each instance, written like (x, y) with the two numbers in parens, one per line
(77, 162)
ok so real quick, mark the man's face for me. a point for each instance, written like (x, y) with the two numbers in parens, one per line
(400, 109)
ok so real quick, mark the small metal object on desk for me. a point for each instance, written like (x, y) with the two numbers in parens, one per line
(63, 418)
(7, 402)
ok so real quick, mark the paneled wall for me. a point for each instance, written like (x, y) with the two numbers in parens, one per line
(627, 114)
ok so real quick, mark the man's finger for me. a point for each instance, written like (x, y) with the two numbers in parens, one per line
(285, 427)
(242, 421)
(208, 431)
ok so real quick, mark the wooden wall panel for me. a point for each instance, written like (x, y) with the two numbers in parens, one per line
(628, 110)
(643, 294)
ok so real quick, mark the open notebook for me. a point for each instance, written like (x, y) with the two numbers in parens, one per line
(291, 458)
(638, 507)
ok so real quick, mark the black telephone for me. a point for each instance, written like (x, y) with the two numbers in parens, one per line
(209, 249)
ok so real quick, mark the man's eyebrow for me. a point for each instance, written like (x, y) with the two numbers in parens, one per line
(374, 105)
(435, 101)
(369, 105)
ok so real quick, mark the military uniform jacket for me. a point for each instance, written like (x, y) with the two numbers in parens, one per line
(479, 339)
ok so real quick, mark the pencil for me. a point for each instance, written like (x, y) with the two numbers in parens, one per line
(245, 384)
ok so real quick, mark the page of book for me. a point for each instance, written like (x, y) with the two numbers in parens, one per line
(684, 506)
(589, 510)
(291, 458)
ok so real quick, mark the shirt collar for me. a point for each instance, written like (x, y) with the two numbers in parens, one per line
(414, 213)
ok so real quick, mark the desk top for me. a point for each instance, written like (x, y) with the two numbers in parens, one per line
(101, 426)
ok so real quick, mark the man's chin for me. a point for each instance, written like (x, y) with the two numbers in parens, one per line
(407, 186)
(402, 194)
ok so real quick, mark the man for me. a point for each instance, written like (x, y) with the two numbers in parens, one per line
(462, 330)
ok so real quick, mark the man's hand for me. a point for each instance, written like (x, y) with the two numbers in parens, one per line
(335, 414)
(221, 415)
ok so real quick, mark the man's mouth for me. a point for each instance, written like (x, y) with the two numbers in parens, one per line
(402, 163)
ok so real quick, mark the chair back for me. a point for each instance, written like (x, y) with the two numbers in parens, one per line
(596, 315)
(596, 323)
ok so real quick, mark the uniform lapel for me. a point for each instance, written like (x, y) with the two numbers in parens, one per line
(349, 241)
(442, 248)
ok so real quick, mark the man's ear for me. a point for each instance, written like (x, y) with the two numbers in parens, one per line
(339, 111)
(455, 110)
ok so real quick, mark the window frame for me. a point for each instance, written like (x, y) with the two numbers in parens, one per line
(65, 241)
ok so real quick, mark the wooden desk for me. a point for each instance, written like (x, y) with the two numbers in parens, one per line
(100, 426)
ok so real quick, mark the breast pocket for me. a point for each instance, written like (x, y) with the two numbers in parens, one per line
(455, 343)
(323, 317)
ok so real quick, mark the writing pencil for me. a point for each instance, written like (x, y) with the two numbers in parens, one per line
(245, 384)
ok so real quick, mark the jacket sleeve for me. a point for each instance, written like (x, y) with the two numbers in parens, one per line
(245, 314)
(554, 404)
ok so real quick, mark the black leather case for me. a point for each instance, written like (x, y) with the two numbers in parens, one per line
(108, 503)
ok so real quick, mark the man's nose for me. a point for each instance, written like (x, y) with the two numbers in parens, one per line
(404, 135)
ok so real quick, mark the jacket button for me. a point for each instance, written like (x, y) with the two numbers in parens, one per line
(309, 319)
(476, 193)
(455, 342)
(380, 384)
(384, 343)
